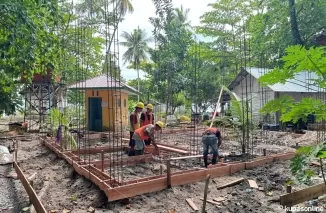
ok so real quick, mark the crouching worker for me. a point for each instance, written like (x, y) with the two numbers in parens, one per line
(211, 138)
(145, 133)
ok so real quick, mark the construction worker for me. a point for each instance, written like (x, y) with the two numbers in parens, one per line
(145, 133)
(147, 118)
(211, 138)
(134, 124)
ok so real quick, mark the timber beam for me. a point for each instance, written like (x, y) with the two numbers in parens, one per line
(124, 161)
(116, 190)
(99, 149)
(38, 206)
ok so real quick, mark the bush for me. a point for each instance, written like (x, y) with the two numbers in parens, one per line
(220, 122)
(184, 118)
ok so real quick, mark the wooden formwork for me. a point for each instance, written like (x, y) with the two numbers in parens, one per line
(116, 190)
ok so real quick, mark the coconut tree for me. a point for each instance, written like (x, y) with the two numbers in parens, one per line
(137, 44)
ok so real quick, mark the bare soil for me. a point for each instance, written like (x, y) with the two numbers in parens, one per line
(69, 191)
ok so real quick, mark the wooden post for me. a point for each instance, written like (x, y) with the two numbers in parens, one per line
(161, 169)
(288, 190)
(102, 160)
(217, 105)
(168, 172)
(16, 151)
(296, 145)
(205, 193)
(264, 152)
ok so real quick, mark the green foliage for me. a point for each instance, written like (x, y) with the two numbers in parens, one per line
(224, 121)
(304, 156)
(299, 59)
(56, 118)
(131, 105)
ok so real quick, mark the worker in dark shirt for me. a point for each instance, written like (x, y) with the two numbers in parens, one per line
(134, 124)
(147, 118)
(211, 138)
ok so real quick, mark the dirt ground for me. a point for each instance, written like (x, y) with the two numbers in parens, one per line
(69, 191)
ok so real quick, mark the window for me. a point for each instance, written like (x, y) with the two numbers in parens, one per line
(92, 93)
(125, 103)
(118, 103)
(96, 93)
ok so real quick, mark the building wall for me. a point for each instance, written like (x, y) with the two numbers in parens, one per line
(112, 114)
(258, 95)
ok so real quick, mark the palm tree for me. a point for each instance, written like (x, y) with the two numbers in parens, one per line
(181, 16)
(137, 44)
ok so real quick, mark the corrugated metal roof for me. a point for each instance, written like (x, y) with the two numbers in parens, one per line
(302, 82)
(102, 82)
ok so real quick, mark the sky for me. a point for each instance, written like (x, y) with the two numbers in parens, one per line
(143, 9)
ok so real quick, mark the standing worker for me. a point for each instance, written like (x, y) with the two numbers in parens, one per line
(145, 133)
(211, 138)
(147, 118)
(134, 124)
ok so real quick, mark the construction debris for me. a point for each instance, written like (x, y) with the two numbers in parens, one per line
(219, 199)
(232, 183)
(211, 201)
(192, 204)
(253, 184)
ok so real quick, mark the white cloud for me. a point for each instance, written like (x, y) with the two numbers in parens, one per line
(140, 17)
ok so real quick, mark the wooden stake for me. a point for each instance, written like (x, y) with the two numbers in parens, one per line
(102, 159)
(205, 193)
(217, 105)
(264, 152)
(288, 189)
(161, 169)
(168, 172)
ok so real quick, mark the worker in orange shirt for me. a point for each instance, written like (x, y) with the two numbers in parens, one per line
(147, 118)
(145, 133)
(211, 138)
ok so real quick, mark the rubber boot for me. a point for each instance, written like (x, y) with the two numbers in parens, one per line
(205, 161)
(214, 159)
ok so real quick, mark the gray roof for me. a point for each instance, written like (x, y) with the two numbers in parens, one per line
(302, 82)
(103, 82)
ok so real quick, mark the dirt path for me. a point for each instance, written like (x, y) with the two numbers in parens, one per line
(13, 196)
(72, 192)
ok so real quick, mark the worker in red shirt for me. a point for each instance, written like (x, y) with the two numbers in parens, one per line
(134, 124)
(147, 118)
(211, 138)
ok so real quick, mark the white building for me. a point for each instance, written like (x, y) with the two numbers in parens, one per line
(246, 87)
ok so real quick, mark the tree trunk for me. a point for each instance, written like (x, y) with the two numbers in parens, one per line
(138, 83)
(294, 24)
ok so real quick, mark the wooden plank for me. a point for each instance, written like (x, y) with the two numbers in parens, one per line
(211, 201)
(188, 177)
(30, 191)
(219, 199)
(99, 149)
(303, 195)
(132, 190)
(187, 157)
(192, 204)
(232, 183)
(172, 149)
(253, 184)
(124, 161)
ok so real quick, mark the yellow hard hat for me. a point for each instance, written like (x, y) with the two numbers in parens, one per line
(160, 124)
(149, 106)
(140, 105)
